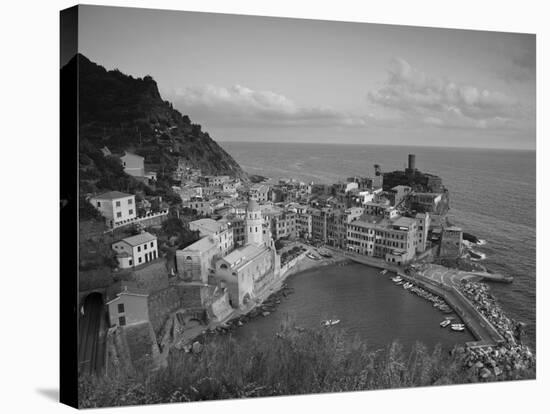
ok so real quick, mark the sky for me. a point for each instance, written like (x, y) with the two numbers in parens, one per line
(248, 78)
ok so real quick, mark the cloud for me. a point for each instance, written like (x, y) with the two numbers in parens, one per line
(441, 102)
(241, 106)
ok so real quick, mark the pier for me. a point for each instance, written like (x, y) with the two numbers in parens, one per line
(443, 282)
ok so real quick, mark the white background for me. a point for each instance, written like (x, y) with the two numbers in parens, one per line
(29, 203)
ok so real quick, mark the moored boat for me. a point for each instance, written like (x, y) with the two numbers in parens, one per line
(458, 327)
(445, 323)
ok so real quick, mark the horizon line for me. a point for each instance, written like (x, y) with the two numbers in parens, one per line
(379, 145)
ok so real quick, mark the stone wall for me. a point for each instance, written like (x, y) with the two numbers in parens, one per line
(216, 301)
(163, 302)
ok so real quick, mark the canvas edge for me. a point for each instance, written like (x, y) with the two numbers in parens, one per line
(68, 259)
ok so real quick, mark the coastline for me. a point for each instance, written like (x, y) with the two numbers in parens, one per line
(197, 334)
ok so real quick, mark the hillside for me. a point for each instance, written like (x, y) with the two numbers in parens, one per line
(127, 113)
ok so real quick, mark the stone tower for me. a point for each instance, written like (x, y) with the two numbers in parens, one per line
(253, 224)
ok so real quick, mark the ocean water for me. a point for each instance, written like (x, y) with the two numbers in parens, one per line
(492, 194)
(369, 306)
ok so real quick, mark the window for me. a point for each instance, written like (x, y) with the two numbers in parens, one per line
(144, 247)
(117, 203)
(130, 201)
(151, 244)
(130, 262)
(139, 248)
(122, 320)
(130, 211)
(121, 308)
(99, 203)
(139, 259)
(118, 215)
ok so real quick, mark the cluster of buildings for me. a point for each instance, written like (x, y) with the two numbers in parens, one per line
(240, 224)
(121, 209)
(362, 215)
(133, 165)
(246, 269)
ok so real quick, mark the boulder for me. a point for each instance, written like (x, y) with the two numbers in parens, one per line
(197, 347)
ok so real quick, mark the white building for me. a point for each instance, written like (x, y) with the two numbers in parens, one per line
(423, 221)
(129, 307)
(259, 192)
(136, 250)
(196, 261)
(394, 239)
(133, 164)
(115, 206)
(247, 272)
(220, 230)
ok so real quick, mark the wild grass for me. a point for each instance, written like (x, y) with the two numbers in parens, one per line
(313, 361)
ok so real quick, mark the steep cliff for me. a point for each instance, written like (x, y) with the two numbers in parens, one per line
(126, 113)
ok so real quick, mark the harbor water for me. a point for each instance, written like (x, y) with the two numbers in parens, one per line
(492, 195)
(368, 304)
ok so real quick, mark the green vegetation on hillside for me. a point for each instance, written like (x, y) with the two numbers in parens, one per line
(124, 113)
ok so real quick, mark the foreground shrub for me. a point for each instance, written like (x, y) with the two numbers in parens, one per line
(312, 361)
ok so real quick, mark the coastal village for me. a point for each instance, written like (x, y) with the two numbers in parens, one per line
(248, 236)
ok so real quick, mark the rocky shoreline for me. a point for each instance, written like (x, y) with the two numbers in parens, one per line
(262, 309)
(507, 358)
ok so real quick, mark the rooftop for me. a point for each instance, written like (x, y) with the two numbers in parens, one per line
(126, 288)
(112, 195)
(207, 226)
(131, 154)
(139, 239)
(243, 253)
(404, 222)
(202, 245)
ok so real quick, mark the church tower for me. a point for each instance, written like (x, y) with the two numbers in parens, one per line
(253, 231)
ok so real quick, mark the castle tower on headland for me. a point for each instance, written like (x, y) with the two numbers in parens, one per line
(253, 222)
(412, 164)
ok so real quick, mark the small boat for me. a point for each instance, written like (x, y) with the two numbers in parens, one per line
(334, 322)
(459, 327)
(396, 279)
(383, 272)
(445, 323)
(330, 322)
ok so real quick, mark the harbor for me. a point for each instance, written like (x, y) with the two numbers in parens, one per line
(368, 306)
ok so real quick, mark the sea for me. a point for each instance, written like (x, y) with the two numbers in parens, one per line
(492, 195)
